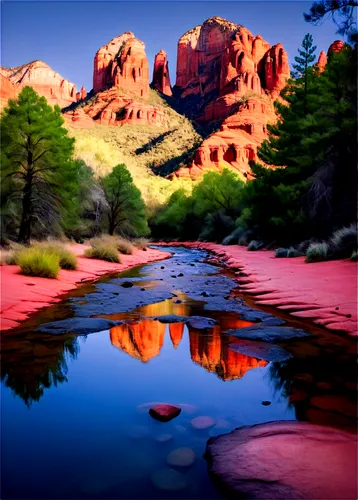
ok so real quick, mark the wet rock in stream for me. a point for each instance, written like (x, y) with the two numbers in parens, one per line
(79, 326)
(268, 333)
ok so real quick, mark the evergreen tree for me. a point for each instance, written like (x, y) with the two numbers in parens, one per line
(39, 177)
(304, 60)
(125, 206)
(342, 13)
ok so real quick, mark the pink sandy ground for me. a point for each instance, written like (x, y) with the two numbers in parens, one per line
(23, 295)
(323, 292)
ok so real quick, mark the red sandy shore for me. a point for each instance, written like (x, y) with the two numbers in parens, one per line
(323, 292)
(23, 295)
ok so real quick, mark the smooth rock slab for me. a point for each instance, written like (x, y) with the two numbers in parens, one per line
(200, 322)
(285, 460)
(202, 423)
(164, 412)
(181, 457)
(79, 326)
(261, 350)
(169, 480)
(268, 333)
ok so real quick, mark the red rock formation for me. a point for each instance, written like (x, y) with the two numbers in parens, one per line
(336, 46)
(44, 80)
(77, 118)
(81, 95)
(236, 143)
(7, 90)
(161, 78)
(322, 61)
(235, 76)
(122, 63)
(176, 331)
(225, 57)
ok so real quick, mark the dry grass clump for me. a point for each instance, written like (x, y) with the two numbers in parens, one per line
(317, 252)
(103, 249)
(67, 259)
(123, 245)
(141, 243)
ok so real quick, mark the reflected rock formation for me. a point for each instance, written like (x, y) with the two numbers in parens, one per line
(176, 331)
(142, 340)
(211, 351)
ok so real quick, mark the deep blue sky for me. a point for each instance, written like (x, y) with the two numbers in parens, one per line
(67, 34)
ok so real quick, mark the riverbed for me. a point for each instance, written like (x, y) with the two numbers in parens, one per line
(75, 421)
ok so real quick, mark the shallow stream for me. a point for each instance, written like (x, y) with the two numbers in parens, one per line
(75, 422)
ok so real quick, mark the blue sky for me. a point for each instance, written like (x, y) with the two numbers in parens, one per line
(67, 34)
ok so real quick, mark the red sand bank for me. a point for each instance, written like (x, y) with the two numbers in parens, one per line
(23, 295)
(323, 292)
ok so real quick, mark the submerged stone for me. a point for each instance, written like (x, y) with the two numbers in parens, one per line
(200, 323)
(261, 350)
(164, 412)
(268, 333)
(79, 326)
(181, 457)
(202, 423)
(285, 460)
(169, 479)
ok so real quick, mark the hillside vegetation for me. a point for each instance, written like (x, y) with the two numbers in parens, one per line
(149, 152)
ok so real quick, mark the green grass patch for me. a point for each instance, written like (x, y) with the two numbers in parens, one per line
(37, 261)
(67, 259)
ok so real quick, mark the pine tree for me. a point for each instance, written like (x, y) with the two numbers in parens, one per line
(304, 59)
(39, 176)
(342, 13)
(126, 209)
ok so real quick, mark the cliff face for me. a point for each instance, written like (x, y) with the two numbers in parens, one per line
(7, 90)
(122, 63)
(233, 77)
(161, 78)
(44, 80)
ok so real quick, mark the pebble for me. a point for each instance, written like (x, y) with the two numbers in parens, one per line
(181, 457)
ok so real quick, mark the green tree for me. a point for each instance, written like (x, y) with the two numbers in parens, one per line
(125, 206)
(306, 56)
(342, 12)
(39, 176)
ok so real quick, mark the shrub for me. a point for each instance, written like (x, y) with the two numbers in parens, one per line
(233, 238)
(37, 261)
(141, 243)
(292, 253)
(255, 245)
(354, 256)
(281, 252)
(317, 252)
(103, 251)
(124, 246)
(343, 242)
(67, 259)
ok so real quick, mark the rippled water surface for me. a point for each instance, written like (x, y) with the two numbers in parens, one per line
(75, 420)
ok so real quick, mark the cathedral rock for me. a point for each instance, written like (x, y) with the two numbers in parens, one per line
(161, 78)
(229, 76)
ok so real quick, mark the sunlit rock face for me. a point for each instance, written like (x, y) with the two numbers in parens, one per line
(7, 90)
(142, 340)
(122, 63)
(233, 77)
(161, 78)
(43, 79)
(212, 352)
(236, 142)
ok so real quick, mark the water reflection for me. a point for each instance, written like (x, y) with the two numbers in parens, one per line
(28, 367)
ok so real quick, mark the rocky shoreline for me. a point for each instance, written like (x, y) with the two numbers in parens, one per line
(324, 293)
(23, 295)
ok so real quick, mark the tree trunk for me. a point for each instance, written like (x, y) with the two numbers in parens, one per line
(26, 216)
(112, 225)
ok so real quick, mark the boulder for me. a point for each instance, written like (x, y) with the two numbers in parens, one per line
(285, 460)
(164, 412)
(261, 350)
(268, 333)
(79, 326)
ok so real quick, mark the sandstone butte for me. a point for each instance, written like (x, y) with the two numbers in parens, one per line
(234, 76)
